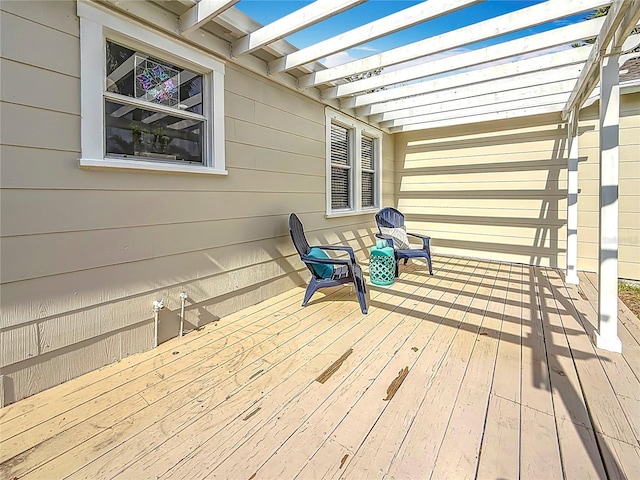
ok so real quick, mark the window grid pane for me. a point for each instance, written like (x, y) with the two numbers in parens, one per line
(341, 167)
(368, 171)
(367, 153)
(368, 189)
(340, 188)
(339, 145)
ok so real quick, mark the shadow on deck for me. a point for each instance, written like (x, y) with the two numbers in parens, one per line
(483, 370)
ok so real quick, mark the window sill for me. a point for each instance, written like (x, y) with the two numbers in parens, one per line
(108, 163)
(351, 213)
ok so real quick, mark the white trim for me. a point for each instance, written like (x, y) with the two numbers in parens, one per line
(606, 335)
(295, 21)
(109, 163)
(98, 25)
(202, 12)
(358, 128)
(571, 273)
(510, 22)
(365, 33)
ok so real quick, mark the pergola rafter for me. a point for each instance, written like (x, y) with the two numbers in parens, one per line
(621, 20)
(406, 18)
(505, 99)
(511, 69)
(307, 16)
(379, 112)
(202, 12)
(488, 29)
(513, 48)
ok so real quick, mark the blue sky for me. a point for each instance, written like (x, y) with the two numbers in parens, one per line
(266, 11)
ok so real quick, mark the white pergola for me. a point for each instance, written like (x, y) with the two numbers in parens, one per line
(421, 87)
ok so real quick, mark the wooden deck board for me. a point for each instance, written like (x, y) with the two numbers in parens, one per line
(484, 370)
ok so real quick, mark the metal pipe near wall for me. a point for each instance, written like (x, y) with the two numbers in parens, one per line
(183, 297)
(157, 306)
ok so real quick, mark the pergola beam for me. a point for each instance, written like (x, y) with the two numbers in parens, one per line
(406, 18)
(488, 117)
(620, 21)
(542, 62)
(302, 18)
(202, 12)
(545, 81)
(488, 108)
(520, 46)
(497, 101)
(510, 22)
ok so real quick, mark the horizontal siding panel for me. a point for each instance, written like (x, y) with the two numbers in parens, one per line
(539, 188)
(254, 157)
(240, 180)
(626, 170)
(590, 203)
(24, 167)
(59, 15)
(19, 36)
(35, 87)
(46, 371)
(34, 127)
(546, 149)
(516, 162)
(503, 253)
(47, 211)
(289, 122)
(58, 332)
(628, 220)
(590, 185)
(80, 290)
(483, 215)
(251, 134)
(535, 177)
(261, 90)
(50, 254)
(518, 206)
(239, 107)
(528, 237)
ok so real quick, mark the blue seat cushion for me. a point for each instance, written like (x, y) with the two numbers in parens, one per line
(323, 271)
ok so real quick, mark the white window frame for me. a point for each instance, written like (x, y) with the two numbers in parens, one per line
(357, 129)
(96, 27)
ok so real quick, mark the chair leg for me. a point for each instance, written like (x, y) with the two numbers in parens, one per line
(429, 263)
(311, 289)
(360, 291)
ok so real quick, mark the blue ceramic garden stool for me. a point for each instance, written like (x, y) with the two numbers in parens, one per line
(382, 266)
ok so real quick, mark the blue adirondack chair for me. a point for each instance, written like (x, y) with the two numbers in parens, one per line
(326, 271)
(389, 217)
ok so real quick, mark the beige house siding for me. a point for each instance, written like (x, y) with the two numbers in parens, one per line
(84, 253)
(629, 203)
(494, 190)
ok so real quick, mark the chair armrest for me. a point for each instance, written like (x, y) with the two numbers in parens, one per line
(425, 239)
(324, 261)
(349, 250)
(388, 238)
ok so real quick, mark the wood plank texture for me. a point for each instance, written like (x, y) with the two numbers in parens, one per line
(483, 370)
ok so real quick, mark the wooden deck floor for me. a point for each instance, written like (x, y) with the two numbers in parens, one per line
(484, 370)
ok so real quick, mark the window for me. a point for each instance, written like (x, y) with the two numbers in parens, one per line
(148, 102)
(353, 166)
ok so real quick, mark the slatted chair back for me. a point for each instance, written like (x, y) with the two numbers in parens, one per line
(389, 217)
(297, 235)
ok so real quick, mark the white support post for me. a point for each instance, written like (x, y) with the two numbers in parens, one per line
(571, 275)
(606, 337)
